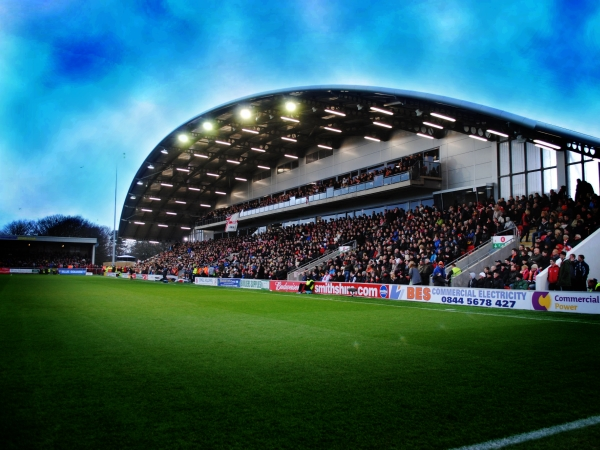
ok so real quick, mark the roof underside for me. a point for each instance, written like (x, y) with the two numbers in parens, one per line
(178, 177)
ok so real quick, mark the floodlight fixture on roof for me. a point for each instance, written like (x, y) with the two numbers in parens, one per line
(201, 156)
(289, 139)
(162, 225)
(372, 139)
(543, 146)
(183, 138)
(180, 202)
(208, 126)
(155, 198)
(140, 223)
(222, 142)
(335, 130)
(153, 242)
(290, 156)
(424, 136)
(171, 213)
(140, 183)
(220, 193)
(290, 106)
(204, 205)
(241, 179)
(185, 228)
(433, 125)
(289, 119)
(383, 111)
(231, 161)
(146, 210)
(479, 138)
(164, 151)
(441, 116)
(212, 174)
(193, 189)
(245, 113)
(257, 149)
(548, 144)
(250, 131)
(263, 167)
(325, 146)
(381, 124)
(166, 184)
(150, 166)
(181, 169)
(337, 113)
(497, 133)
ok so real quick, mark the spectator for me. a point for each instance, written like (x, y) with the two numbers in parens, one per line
(553, 272)
(582, 270)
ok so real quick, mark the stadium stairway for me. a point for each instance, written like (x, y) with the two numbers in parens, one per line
(482, 256)
(296, 274)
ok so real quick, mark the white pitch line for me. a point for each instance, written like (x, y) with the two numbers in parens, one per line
(533, 435)
(542, 319)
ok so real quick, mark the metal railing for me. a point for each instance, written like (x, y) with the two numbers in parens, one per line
(295, 275)
(481, 257)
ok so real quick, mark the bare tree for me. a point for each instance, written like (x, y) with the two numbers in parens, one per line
(20, 228)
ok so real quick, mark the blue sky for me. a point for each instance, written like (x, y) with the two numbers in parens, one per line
(85, 86)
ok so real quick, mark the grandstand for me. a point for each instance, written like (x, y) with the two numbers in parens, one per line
(382, 170)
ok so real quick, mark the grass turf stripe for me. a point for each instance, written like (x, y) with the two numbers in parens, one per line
(533, 435)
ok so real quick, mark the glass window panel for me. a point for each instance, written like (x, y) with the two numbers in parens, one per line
(504, 159)
(574, 172)
(534, 182)
(518, 184)
(591, 174)
(549, 157)
(505, 187)
(534, 161)
(573, 157)
(550, 180)
(518, 157)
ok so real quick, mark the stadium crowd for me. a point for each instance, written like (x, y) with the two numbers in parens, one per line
(405, 247)
(46, 260)
(400, 166)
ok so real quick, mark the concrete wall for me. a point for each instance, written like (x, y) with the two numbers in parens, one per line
(465, 162)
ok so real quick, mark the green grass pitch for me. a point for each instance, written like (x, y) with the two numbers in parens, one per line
(90, 362)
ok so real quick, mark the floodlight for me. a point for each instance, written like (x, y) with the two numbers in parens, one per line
(245, 113)
(183, 138)
(450, 119)
(207, 126)
(290, 106)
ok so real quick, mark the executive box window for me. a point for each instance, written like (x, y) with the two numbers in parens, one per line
(262, 175)
(320, 154)
(583, 167)
(287, 167)
(525, 169)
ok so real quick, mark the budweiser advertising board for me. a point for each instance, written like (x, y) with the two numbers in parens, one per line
(284, 286)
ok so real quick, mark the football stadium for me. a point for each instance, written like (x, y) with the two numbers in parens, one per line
(345, 267)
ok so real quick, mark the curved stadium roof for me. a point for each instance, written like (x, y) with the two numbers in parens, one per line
(203, 158)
